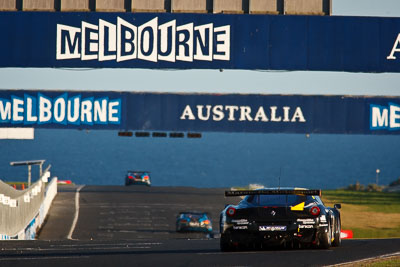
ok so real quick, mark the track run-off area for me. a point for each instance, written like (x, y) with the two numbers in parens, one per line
(135, 226)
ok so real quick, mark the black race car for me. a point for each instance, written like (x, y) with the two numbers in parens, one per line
(291, 217)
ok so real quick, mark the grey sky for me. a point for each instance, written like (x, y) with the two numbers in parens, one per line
(228, 81)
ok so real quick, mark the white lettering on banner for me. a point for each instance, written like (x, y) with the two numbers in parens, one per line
(70, 38)
(89, 44)
(107, 52)
(5, 110)
(149, 42)
(396, 48)
(242, 113)
(18, 111)
(382, 117)
(29, 115)
(60, 110)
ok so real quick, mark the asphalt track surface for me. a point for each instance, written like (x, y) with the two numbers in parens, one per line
(135, 226)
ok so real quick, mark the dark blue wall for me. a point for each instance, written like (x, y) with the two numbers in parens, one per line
(200, 112)
(266, 42)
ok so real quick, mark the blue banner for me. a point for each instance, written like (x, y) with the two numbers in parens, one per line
(199, 41)
(200, 112)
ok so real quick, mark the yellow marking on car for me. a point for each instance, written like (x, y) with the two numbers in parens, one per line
(298, 207)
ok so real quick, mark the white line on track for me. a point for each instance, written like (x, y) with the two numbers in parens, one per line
(43, 258)
(74, 249)
(86, 247)
(257, 252)
(71, 231)
(367, 259)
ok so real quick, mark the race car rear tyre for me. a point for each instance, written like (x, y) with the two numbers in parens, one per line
(337, 239)
(325, 239)
(225, 243)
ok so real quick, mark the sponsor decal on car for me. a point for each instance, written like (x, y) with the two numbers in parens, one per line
(240, 227)
(298, 207)
(272, 228)
(241, 221)
(306, 221)
(305, 226)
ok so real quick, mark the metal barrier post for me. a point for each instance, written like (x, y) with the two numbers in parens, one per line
(29, 175)
(30, 163)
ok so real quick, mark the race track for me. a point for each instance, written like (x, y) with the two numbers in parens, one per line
(135, 226)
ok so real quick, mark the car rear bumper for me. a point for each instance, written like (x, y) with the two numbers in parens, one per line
(195, 229)
(274, 236)
(133, 182)
(187, 228)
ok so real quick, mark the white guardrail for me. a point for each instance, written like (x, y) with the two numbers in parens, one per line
(23, 211)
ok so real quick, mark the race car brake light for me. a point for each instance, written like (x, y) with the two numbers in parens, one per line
(231, 211)
(315, 211)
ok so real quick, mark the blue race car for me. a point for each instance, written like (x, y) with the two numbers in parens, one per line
(137, 178)
(193, 222)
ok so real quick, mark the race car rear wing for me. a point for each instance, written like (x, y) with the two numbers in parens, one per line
(304, 192)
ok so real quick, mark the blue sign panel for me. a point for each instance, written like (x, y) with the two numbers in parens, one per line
(200, 112)
(60, 110)
(199, 41)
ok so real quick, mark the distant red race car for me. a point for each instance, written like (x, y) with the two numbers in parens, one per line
(138, 178)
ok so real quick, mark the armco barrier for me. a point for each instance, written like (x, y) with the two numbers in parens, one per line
(49, 195)
(23, 212)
